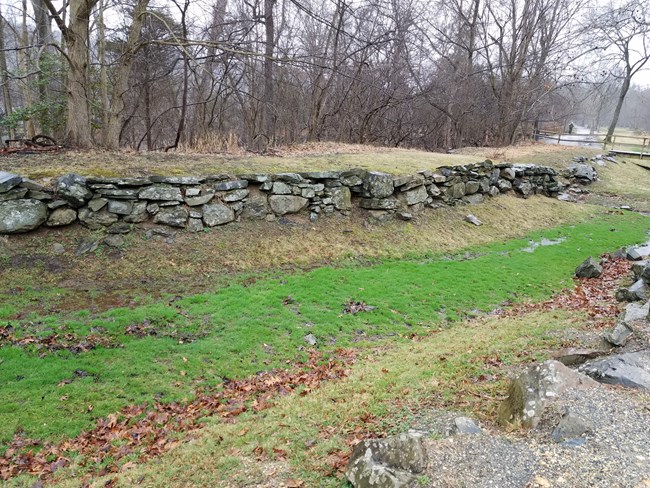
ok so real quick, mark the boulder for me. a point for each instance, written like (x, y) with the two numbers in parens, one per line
(378, 185)
(507, 173)
(235, 195)
(96, 220)
(582, 172)
(281, 188)
(172, 216)
(590, 268)
(414, 196)
(199, 200)
(620, 335)
(631, 370)
(341, 198)
(195, 225)
(530, 393)
(286, 204)
(456, 191)
(256, 206)
(636, 313)
(61, 216)
(15, 194)
(571, 426)
(18, 216)
(231, 185)
(96, 204)
(120, 207)
(217, 214)
(638, 291)
(161, 193)
(641, 270)
(471, 187)
(72, 188)
(379, 203)
(8, 181)
(387, 463)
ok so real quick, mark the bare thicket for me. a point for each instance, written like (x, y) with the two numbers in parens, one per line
(220, 74)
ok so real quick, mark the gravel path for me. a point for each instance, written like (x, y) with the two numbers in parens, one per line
(616, 454)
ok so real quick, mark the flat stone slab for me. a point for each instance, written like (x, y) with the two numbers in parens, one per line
(8, 181)
(631, 370)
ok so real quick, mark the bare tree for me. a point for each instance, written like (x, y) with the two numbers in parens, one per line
(623, 34)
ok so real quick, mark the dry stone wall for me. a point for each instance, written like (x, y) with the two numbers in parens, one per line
(196, 202)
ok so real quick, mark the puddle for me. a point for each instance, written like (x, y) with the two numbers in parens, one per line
(532, 245)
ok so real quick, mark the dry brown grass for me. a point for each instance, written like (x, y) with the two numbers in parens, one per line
(197, 262)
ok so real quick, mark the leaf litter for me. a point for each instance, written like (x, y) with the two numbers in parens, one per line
(146, 431)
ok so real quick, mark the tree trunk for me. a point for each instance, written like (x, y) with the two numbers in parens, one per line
(78, 131)
(121, 84)
(4, 78)
(619, 105)
(269, 94)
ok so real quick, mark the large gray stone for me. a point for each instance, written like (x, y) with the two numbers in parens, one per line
(341, 198)
(96, 220)
(620, 335)
(230, 185)
(456, 191)
(414, 196)
(571, 426)
(120, 207)
(285, 204)
(120, 193)
(235, 195)
(61, 216)
(583, 172)
(638, 291)
(379, 203)
(199, 200)
(471, 187)
(173, 216)
(636, 313)
(589, 268)
(18, 216)
(631, 370)
(378, 185)
(387, 463)
(14, 194)
(73, 189)
(281, 188)
(161, 193)
(217, 214)
(530, 393)
(256, 206)
(8, 181)
(178, 180)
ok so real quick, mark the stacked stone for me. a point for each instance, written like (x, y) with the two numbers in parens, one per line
(208, 201)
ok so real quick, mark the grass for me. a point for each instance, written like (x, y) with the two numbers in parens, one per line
(291, 159)
(439, 372)
(36, 278)
(242, 328)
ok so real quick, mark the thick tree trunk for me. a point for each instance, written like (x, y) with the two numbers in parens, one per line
(115, 115)
(269, 94)
(78, 131)
(617, 111)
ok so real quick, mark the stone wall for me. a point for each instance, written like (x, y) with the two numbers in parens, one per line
(194, 202)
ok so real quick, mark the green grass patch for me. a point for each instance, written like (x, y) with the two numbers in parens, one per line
(239, 329)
